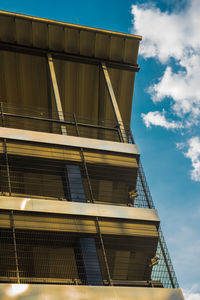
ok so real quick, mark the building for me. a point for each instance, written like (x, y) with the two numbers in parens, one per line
(76, 217)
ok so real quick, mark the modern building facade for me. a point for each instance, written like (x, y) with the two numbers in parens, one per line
(76, 216)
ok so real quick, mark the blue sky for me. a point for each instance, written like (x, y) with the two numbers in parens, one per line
(166, 107)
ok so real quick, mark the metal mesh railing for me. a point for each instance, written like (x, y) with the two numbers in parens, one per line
(43, 120)
(144, 198)
(47, 256)
(68, 249)
(164, 270)
(41, 171)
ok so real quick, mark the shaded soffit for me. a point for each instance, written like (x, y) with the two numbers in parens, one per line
(25, 34)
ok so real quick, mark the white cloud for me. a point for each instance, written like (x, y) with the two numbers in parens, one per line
(173, 35)
(180, 146)
(193, 154)
(191, 294)
(167, 35)
(162, 36)
(158, 119)
(183, 87)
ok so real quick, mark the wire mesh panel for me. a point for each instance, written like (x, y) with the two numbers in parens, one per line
(39, 170)
(8, 268)
(163, 271)
(129, 257)
(111, 185)
(48, 249)
(54, 248)
(143, 198)
(46, 255)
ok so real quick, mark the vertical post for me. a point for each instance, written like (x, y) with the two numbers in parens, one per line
(114, 104)
(84, 162)
(12, 224)
(56, 92)
(50, 109)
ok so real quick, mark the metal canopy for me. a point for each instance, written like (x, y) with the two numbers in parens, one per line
(68, 38)
(77, 52)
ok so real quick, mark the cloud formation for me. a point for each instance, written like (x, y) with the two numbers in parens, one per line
(157, 118)
(193, 154)
(173, 35)
(166, 34)
(191, 294)
(172, 38)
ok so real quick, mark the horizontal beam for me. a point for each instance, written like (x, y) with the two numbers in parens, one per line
(67, 56)
(71, 141)
(77, 208)
(55, 292)
(58, 121)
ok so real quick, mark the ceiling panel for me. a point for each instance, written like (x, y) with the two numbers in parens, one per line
(72, 40)
(102, 45)
(56, 37)
(131, 51)
(23, 32)
(40, 35)
(87, 43)
(116, 48)
(7, 29)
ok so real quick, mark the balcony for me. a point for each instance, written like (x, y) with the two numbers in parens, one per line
(39, 169)
(48, 249)
(46, 120)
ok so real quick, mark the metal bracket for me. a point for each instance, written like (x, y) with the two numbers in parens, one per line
(56, 92)
(114, 103)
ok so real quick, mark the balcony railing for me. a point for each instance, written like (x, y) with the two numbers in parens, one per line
(47, 248)
(50, 173)
(40, 171)
(44, 120)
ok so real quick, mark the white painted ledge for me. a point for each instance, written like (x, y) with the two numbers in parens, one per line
(77, 208)
(64, 292)
(66, 140)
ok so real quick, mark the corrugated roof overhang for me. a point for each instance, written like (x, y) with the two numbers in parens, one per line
(78, 52)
